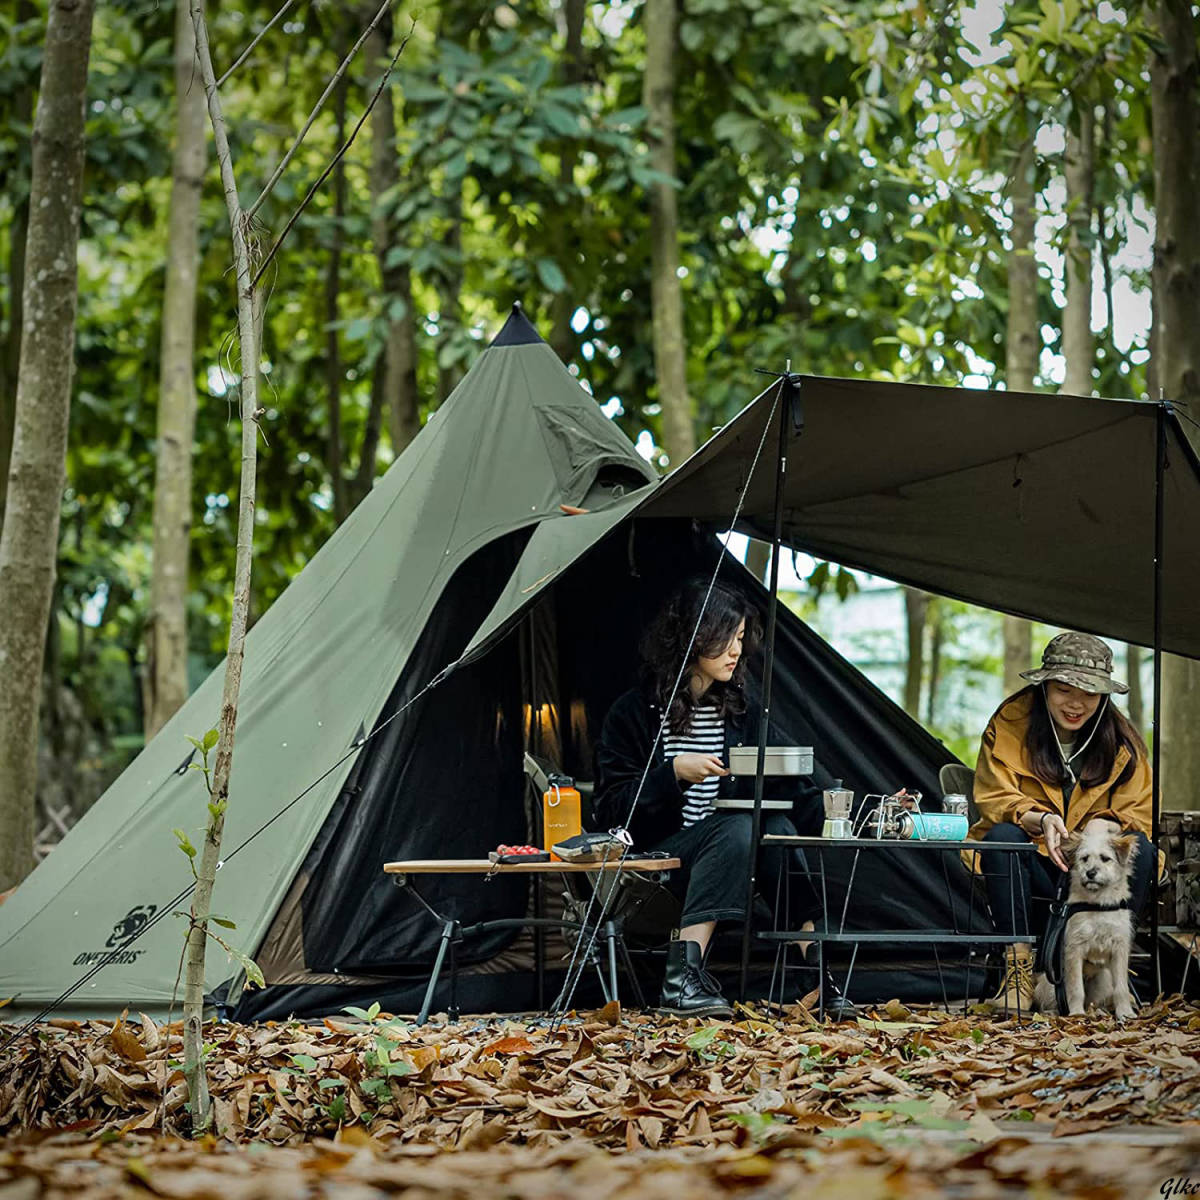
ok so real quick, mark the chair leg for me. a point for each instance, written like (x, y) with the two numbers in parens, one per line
(638, 995)
(594, 958)
(449, 929)
(610, 936)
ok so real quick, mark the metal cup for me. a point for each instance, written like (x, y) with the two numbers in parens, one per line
(955, 802)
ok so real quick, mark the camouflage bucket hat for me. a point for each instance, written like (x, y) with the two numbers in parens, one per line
(1082, 661)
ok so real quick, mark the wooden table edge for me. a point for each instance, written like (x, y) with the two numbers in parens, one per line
(482, 866)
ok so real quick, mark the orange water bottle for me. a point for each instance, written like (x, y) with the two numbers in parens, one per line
(560, 812)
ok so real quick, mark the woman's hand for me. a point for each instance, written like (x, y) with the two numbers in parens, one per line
(1053, 828)
(695, 768)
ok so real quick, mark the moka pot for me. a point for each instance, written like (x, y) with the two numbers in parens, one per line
(839, 802)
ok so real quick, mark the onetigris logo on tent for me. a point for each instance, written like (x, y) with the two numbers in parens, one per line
(134, 921)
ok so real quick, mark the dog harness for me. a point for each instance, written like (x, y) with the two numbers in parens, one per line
(1052, 944)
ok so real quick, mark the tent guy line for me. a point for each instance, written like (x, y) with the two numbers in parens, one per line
(169, 908)
(574, 973)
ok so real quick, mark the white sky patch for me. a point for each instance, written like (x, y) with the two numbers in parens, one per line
(611, 19)
(93, 606)
(645, 445)
(980, 369)
(216, 381)
(1050, 139)
(979, 23)
(794, 569)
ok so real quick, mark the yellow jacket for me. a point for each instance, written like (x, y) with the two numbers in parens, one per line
(1006, 787)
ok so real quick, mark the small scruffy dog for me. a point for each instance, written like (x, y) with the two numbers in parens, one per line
(1095, 947)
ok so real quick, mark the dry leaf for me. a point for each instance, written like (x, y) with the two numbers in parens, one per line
(509, 1045)
(126, 1044)
(610, 1014)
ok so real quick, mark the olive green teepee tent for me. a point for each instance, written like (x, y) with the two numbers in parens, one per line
(517, 439)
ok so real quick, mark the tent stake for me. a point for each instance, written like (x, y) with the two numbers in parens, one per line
(789, 390)
(1160, 455)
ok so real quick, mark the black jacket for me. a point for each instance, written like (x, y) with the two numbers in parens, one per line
(629, 731)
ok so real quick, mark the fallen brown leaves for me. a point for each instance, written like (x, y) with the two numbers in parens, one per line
(351, 1168)
(893, 1103)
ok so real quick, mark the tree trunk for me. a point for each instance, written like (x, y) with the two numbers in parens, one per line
(1104, 237)
(758, 558)
(21, 116)
(937, 616)
(1021, 362)
(333, 290)
(400, 350)
(165, 686)
(562, 308)
(1174, 75)
(916, 609)
(37, 470)
(1077, 316)
(249, 314)
(450, 295)
(1134, 701)
(666, 297)
(365, 476)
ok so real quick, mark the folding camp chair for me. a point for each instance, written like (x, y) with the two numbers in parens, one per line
(958, 779)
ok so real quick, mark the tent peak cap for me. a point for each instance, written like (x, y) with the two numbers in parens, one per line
(518, 330)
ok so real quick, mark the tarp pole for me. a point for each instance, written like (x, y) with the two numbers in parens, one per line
(1160, 457)
(787, 388)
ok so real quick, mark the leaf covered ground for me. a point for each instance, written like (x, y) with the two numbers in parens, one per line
(611, 1104)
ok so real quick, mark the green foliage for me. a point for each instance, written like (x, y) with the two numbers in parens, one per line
(708, 1044)
(760, 1125)
(364, 1014)
(703, 1038)
(842, 175)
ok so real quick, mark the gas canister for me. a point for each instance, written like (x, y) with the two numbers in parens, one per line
(940, 827)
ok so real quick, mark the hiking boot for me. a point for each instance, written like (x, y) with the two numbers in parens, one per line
(688, 989)
(1016, 992)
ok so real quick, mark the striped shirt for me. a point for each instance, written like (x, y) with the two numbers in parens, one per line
(703, 734)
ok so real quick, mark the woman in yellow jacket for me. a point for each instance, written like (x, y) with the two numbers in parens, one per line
(1055, 757)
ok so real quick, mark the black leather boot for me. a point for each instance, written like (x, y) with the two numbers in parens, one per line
(688, 990)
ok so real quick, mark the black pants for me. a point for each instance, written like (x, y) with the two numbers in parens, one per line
(1020, 887)
(715, 854)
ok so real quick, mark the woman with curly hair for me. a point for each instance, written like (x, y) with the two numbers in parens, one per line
(661, 763)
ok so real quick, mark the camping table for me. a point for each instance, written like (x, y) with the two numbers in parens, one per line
(930, 937)
(452, 929)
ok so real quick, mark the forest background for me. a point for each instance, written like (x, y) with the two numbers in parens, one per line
(676, 192)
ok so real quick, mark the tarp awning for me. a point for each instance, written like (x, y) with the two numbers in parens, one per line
(1034, 504)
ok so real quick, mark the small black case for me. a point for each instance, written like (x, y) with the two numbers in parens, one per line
(590, 848)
